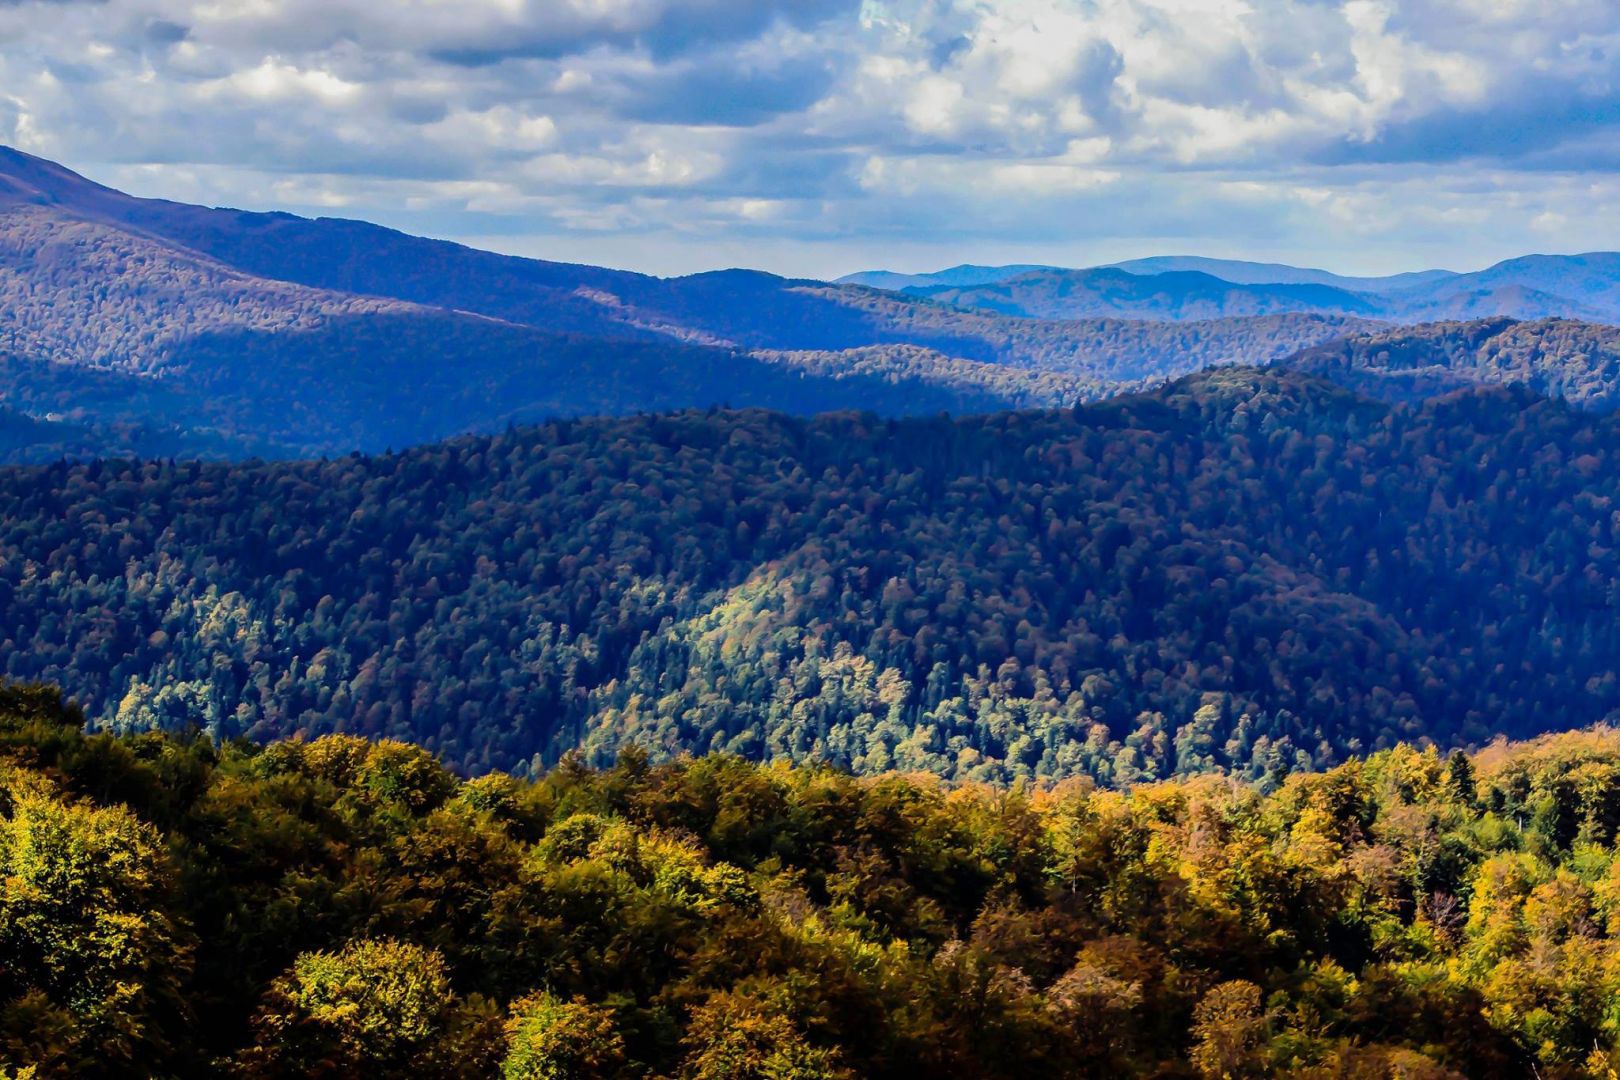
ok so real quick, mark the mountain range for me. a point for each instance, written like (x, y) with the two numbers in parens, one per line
(1231, 270)
(155, 327)
(142, 327)
(1184, 287)
(1249, 569)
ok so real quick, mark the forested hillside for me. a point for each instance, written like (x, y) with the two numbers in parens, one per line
(341, 908)
(1171, 295)
(1183, 287)
(1576, 361)
(228, 333)
(1247, 570)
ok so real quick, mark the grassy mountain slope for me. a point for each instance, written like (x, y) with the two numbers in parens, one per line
(1247, 568)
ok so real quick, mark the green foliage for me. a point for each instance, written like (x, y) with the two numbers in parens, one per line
(551, 1039)
(735, 1038)
(1560, 358)
(377, 1007)
(88, 948)
(1248, 572)
(340, 908)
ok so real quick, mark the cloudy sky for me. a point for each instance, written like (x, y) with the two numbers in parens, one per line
(823, 136)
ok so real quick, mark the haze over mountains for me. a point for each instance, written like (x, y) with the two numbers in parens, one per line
(135, 325)
(145, 327)
(1186, 287)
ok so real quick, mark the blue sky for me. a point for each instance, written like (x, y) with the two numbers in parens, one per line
(823, 136)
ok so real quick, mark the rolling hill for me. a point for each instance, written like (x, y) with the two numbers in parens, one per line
(1173, 296)
(1579, 362)
(230, 332)
(1246, 569)
(1176, 287)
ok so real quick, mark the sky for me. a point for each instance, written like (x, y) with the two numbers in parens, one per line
(819, 137)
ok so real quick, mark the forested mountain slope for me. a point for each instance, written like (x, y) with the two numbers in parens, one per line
(1577, 361)
(169, 907)
(1250, 570)
(1182, 287)
(1178, 294)
(239, 333)
(1171, 295)
(1235, 271)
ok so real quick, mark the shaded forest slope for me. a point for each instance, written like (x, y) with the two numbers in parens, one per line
(1248, 569)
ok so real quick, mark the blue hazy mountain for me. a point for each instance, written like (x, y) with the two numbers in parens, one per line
(1175, 296)
(1177, 287)
(130, 324)
(1235, 271)
(1256, 273)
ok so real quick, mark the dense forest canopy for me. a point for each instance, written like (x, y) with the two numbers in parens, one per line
(1576, 361)
(339, 908)
(1250, 571)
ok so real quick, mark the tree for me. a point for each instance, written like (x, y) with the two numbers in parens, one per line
(375, 1006)
(732, 1037)
(551, 1039)
(1229, 1028)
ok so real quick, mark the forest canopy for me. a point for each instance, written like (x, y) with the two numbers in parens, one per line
(1247, 571)
(340, 907)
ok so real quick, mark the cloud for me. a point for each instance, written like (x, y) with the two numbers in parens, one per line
(1367, 133)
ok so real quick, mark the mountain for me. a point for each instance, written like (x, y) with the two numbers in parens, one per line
(1592, 278)
(1173, 296)
(1579, 362)
(1254, 273)
(236, 333)
(1229, 270)
(1534, 287)
(1246, 569)
(956, 276)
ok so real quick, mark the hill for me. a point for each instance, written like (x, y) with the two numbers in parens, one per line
(1579, 362)
(243, 333)
(952, 277)
(1230, 270)
(344, 908)
(1175, 296)
(1245, 569)
(1253, 273)
(1173, 287)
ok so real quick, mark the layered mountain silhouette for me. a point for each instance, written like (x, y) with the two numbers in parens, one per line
(148, 326)
(1188, 287)
(154, 328)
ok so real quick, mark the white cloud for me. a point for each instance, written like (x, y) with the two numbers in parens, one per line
(1361, 129)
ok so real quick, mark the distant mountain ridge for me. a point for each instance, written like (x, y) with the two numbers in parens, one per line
(1173, 287)
(1236, 271)
(1171, 296)
(232, 332)
(1255, 273)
